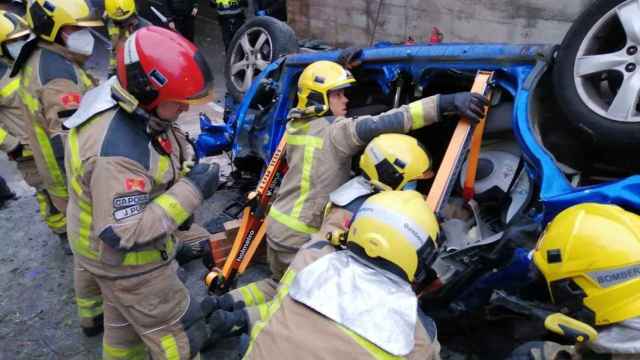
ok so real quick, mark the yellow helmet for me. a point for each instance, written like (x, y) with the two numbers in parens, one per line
(46, 17)
(317, 80)
(396, 231)
(12, 26)
(390, 161)
(120, 9)
(589, 256)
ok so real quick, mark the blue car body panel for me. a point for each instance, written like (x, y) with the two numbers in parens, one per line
(517, 70)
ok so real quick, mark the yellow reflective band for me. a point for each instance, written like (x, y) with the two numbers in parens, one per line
(3, 135)
(85, 79)
(10, 88)
(273, 307)
(82, 244)
(305, 140)
(113, 30)
(264, 310)
(136, 352)
(59, 187)
(291, 222)
(417, 114)
(172, 207)
(89, 307)
(163, 166)
(56, 221)
(257, 293)
(372, 349)
(170, 347)
(246, 296)
(29, 101)
(311, 143)
(27, 153)
(25, 79)
(144, 257)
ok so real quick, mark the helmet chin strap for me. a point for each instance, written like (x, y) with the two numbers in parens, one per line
(156, 127)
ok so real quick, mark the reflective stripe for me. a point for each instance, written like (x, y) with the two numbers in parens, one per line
(85, 79)
(264, 310)
(56, 222)
(310, 143)
(29, 101)
(82, 244)
(257, 293)
(273, 307)
(89, 307)
(252, 295)
(59, 187)
(371, 348)
(246, 296)
(172, 207)
(136, 352)
(291, 222)
(163, 165)
(113, 30)
(417, 114)
(3, 135)
(144, 257)
(170, 347)
(10, 88)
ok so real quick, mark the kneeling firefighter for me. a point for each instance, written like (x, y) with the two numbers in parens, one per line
(321, 142)
(358, 300)
(133, 186)
(389, 162)
(589, 256)
(13, 127)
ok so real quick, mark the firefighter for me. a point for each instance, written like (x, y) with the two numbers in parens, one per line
(133, 185)
(13, 134)
(321, 142)
(389, 162)
(358, 299)
(589, 257)
(52, 84)
(230, 17)
(122, 20)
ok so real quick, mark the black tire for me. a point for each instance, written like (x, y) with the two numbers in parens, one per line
(283, 42)
(601, 130)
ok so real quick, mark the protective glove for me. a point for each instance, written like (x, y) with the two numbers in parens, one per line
(214, 303)
(349, 58)
(205, 178)
(188, 252)
(467, 104)
(227, 323)
(16, 152)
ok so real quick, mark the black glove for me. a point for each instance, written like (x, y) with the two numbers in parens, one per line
(349, 58)
(205, 178)
(223, 302)
(16, 153)
(191, 251)
(467, 104)
(227, 323)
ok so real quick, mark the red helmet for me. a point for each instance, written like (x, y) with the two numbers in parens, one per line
(157, 65)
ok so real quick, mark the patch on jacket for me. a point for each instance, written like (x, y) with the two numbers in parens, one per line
(128, 205)
(131, 184)
(70, 99)
(127, 200)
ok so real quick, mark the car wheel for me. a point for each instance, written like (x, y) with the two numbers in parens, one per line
(255, 45)
(597, 73)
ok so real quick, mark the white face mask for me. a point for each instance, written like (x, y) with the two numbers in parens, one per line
(14, 47)
(81, 42)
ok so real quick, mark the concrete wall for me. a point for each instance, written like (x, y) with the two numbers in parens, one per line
(342, 22)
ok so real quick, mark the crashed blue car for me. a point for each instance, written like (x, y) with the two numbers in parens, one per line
(521, 118)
